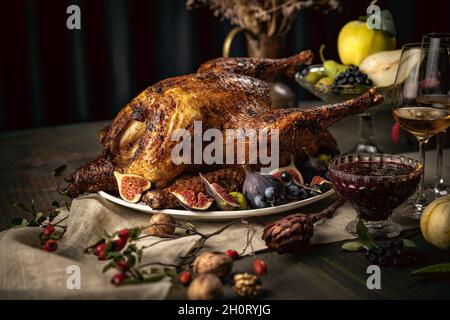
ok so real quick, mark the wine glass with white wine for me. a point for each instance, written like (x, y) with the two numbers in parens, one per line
(440, 188)
(422, 79)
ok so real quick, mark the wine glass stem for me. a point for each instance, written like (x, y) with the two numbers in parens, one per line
(440, 142)
(366, 128)
(421, 192)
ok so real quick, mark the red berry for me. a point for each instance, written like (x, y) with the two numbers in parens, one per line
(50, 245)
(48, 230)
(185, 277)
(100, 249)
(233, 254)
(260, 267)
(119, 244)
(118, 279)
(122, 265)
(124, 234)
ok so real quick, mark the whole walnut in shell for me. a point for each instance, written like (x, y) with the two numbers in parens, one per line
(217, 263)
(205, 287)
(163, 219)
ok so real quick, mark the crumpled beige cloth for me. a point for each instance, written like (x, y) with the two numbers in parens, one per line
(27, 272)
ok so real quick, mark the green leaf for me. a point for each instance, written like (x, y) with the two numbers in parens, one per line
(364, 235)
(19, 222)
(170, 272)
(362, 18)
(409, 243)
(59, 171)
(33, 223)
(433, 269)
(33, 207)
(56, 235)
(387, 23)
(108, 266)
(53, 215)
(353, 246)
(131, 260)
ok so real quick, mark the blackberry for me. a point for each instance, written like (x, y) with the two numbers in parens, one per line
(352, 76)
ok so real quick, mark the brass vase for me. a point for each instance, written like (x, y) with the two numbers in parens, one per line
(263, 46)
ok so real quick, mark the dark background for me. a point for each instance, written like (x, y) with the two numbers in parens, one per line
(50, 75)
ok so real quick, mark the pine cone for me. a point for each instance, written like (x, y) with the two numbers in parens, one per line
(247, 285)
(289, 234)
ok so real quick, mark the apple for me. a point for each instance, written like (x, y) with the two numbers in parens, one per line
(356, 41)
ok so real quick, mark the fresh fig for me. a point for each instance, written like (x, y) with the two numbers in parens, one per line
(190, 201)
(256, 184)
(224, 201)
(131, 186)
(292, 170)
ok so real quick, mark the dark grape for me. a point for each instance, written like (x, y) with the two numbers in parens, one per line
(293, 190)
(372, 257)
(392, 254)
(378, 250)
(286, 177)
(269, 192)
(302, 194)
(351, 76)
(260, 201)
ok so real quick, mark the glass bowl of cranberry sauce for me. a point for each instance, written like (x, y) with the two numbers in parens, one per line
(375, 185)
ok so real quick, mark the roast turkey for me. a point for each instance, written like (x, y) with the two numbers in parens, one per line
(224, 94)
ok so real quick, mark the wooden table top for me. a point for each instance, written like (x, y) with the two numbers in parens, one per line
(322, 272)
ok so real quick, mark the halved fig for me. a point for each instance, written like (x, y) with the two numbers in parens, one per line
(190, 201)
(292, 170)
(131, 186)
(224, 201)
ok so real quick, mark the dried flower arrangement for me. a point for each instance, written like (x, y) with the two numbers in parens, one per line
(269, 17)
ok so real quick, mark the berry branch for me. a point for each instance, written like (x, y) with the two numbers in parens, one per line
(121, 250)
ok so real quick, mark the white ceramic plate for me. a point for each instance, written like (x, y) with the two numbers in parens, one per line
(218, 215)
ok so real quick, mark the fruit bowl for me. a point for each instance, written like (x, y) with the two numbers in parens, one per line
(339, 93)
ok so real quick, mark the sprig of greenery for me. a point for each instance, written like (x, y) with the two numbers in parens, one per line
(131, 254)
(38, 219)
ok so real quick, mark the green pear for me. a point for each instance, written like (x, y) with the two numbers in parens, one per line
(332, 68)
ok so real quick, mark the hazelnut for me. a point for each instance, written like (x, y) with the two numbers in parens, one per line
(205, 287)
(217, 263)
(161, 218)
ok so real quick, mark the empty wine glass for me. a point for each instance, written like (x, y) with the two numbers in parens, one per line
(440, 188)
(422, 79)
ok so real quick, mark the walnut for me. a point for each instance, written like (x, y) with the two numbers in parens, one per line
(161, 218)
(247, 285)
(205, 287)
(217, 263)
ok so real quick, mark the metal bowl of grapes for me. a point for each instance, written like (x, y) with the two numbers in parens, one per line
(348, 84)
